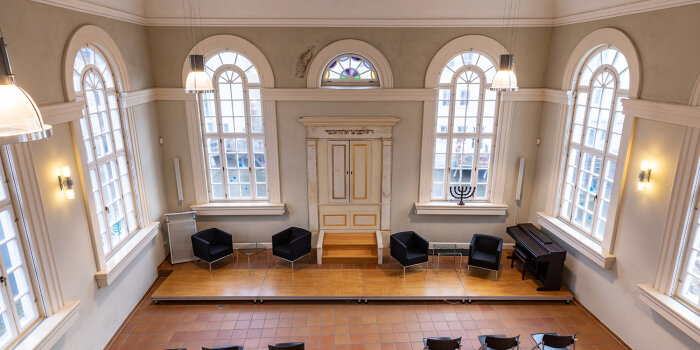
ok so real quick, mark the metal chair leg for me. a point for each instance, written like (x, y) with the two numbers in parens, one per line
(292, 266)
(209, 267)
(404, 272)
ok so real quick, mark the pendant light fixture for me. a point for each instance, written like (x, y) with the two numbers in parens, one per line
(20, 119)
(505, 79)
(197, 80)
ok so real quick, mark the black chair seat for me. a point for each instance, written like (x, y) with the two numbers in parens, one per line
(485, 258)
(291, 244)
(212, 244)
(282, 250)
(485, 252)
(286, 346)
(232, 347)
(415, 256)
(442, 343)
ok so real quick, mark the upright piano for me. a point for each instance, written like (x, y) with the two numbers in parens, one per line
(537, 248)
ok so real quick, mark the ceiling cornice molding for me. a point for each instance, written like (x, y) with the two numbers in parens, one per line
(615, 11)
(348, 22)
(621, 10)
(94, 9)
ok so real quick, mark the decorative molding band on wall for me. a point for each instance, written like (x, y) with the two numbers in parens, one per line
(62, 112)
(663, 112)
(615, 11)
(349, 95)
(138, 97)
(620, 10)
(94, 9)
(538, 95)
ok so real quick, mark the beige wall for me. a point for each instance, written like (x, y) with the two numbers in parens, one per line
(36, 35)
(668, 45)
(669, 50)
(409, 51)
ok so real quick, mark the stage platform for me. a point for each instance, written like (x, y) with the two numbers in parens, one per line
(358, 284)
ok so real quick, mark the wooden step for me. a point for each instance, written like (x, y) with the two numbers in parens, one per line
(353, 255)
(349, 239)
(349, 248)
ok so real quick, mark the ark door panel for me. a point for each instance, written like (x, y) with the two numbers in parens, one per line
(338, 171)
(360, 171)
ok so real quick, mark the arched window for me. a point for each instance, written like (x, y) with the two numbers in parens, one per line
(18, 301)
(106, 168)
(465, 127)
(233, 131)
(350, 69)
(594, 141)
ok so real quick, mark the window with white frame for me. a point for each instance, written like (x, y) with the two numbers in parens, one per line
(688, 286)
(19, 309)
(593, 142)
(233, 131)
(465, 129)
(105, 162)
(350, 70)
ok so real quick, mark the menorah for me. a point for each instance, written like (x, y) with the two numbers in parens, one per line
(462, 193)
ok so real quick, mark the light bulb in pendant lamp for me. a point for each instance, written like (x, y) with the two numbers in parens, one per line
(505, 79)
(198, 80)
(20, 119)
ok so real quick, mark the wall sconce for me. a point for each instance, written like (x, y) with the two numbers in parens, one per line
(65, 183)
(644, 176)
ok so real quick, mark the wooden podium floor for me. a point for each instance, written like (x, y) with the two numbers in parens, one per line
(309, 281)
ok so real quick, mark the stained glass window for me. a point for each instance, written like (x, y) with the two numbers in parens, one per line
(232, 127)
(465, 129)
(594, 141)
(101, 134)
(350, 70)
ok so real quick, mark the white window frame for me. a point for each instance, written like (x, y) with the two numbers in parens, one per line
(477, 136)
(248, 135)
(203, 205)
(56, 314)
(495, 204)
(331, 51)
(684, 201)
(109, 267)
(600, 253)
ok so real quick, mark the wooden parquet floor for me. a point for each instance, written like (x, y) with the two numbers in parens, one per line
(309, 281)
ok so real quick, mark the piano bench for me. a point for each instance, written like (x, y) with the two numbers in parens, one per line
(519, 254)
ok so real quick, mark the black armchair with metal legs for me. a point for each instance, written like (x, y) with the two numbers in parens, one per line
(485, 252)
(409, 248)
(212, 245)
(291, 244)
(498, 342)
(286, 346)
(442, 343)
(554, 341)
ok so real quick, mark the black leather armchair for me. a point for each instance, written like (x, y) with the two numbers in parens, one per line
(409, 248)
(291, 244)
(485, 252)
(212, 245)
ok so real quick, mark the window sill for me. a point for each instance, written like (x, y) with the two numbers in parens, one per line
(672, 310)
(50, 330)
(576, 240)
(239, 208)
(448, 208)
(118, 262)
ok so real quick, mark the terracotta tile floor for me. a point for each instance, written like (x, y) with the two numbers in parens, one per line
(347, 325)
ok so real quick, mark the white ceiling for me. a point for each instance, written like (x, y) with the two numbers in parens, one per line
(364, 12)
